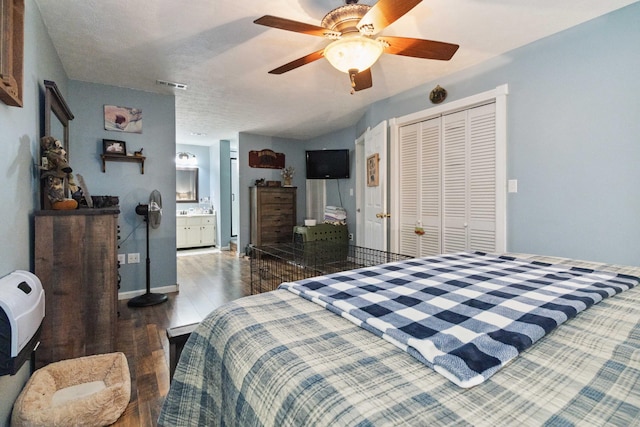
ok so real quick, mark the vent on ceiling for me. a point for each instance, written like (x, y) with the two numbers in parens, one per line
(172, 84)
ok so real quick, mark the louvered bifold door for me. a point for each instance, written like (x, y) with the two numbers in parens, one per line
(454, 163)
(420, 188)
(430, 187)
(469, 180)
(482, 179)
(408, 209)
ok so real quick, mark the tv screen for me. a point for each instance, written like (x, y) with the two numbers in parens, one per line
(327, 164)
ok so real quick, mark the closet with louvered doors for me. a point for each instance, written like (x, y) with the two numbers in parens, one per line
(448, 183)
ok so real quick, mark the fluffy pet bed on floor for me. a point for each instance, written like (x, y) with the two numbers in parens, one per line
(87, 391)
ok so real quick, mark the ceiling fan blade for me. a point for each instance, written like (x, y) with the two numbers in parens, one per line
(383, 13)
(362, 80)
(295, 26)
(298, 62)
(418, 48)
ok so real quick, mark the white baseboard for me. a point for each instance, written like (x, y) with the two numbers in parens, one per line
(162, 290)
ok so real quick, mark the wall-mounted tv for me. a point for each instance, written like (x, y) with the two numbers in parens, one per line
(327, 164)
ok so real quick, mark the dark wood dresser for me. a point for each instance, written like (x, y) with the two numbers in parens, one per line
(273, 215)
(76, 259)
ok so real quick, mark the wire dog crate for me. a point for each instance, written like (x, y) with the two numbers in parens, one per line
(273, 265)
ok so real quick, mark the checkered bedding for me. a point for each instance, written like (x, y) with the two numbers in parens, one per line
(276, 359)
(466, 315)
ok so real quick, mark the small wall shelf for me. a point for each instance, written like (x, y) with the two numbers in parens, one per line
(117, 158)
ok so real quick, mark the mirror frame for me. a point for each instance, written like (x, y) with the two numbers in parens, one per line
(189, 169)
(54, 103)
(11, 51)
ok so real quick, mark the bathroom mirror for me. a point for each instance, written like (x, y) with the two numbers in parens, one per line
(186, 185)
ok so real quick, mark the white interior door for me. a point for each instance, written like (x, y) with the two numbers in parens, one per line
(235, 199)
(375, 196)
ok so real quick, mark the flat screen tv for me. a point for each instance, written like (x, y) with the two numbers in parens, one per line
(327, 164)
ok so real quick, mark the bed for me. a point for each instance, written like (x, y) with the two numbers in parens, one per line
(280, 359)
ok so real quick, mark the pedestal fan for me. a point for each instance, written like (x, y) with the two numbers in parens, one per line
(152, 213)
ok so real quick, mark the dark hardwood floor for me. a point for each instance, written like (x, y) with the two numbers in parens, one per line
(206, 282)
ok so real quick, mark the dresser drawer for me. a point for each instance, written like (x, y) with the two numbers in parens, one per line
(271, 235)
(282, 227)
(276, 198)
(273, 215)
(277, 222)
(277, 211)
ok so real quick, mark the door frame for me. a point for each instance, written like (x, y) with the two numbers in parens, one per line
(362, 145)
(359, 146)
(497, 95)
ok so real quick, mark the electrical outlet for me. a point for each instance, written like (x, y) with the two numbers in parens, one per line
(121, 259)
(350, 236)
(133, 258)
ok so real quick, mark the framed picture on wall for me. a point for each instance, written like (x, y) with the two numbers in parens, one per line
(372, 170)
(122, 119)
(113, 147)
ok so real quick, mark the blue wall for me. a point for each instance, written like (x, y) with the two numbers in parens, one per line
(123, 179)
(573, 137)
(20, 140)
(223, 200)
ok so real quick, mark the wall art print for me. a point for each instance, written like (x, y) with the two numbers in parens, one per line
(122, 119)
(372, 170)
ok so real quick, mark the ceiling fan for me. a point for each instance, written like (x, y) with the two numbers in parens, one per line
(354, 49)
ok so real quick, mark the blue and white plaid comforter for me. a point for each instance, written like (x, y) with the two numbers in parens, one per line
(465, 315)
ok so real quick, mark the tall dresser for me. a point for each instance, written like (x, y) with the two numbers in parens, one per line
(76, 260)
(273, 215)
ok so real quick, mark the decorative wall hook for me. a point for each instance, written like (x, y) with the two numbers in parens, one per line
(437, 95)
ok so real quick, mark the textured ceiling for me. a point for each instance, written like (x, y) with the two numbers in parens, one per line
(214, 47)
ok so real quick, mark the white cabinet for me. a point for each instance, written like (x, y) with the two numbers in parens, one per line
(195, 231)
(208, 230)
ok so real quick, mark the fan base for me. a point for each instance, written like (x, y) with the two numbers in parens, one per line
(146, 300)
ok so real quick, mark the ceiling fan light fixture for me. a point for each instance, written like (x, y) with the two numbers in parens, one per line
(354, 52)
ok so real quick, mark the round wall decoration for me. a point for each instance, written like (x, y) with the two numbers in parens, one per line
(437, 95)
